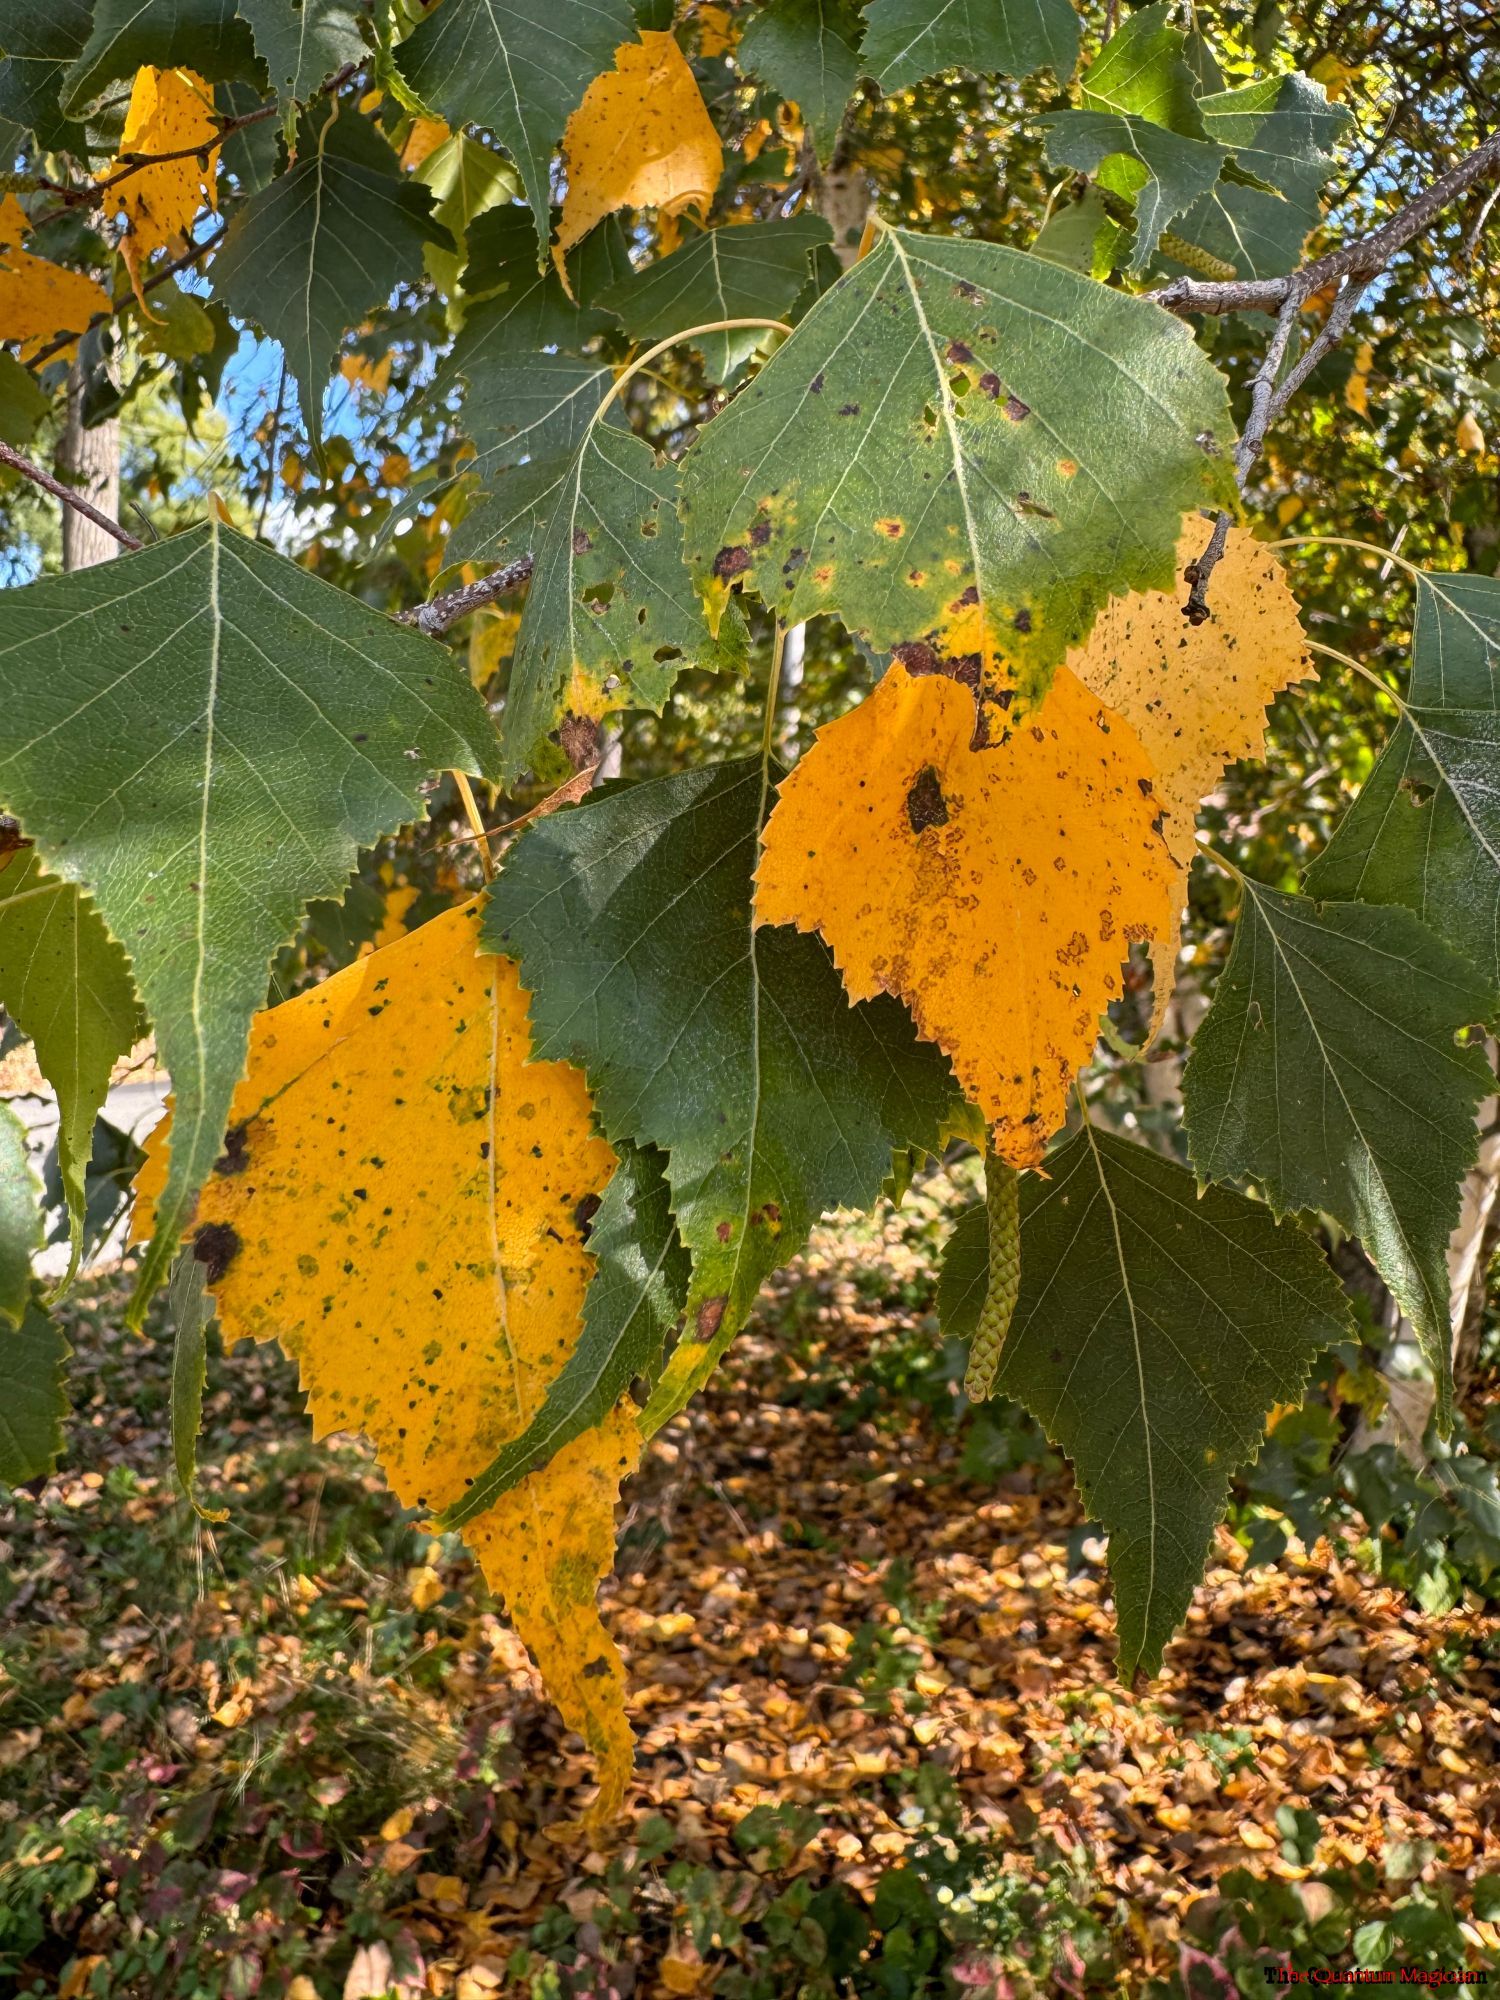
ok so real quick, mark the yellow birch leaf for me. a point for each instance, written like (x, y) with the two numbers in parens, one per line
(1469, 436)
(641, 138)
(424, 138)
(717, 32)
(1357, 388)
(996, 891)
(1196, 695)
(169, 109)
(398, 898)
(399, 1206)
(40, 299)
(367, 374)
(491, 643)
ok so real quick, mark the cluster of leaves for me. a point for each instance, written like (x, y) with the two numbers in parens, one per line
(550, 1143)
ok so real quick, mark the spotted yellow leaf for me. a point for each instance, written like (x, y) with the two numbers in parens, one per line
(170, 109)
(641, 138)
(401, 1204)
(996, 890)
(1196, 695)
(39, 299)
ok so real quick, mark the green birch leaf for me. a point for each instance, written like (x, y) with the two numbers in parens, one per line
(190, 1305)
(467, 180)
(906, 40)
(758, 270)
(1154, 1332)
(633, 1302)
(808, 51)
(732, 1049)
(1326, 1070)
(512, 309)
(324, 244)
(40, 40)
(66, 984)
(529, 396)
(22, 403)
(33, 1396)
(202, 736)
(507, 518)
(517, 68)
(611, 618)
(206, 36)
(1159, 170)
(1083, 235)
(962, 452)
(1142, 71)
(304, 42)
(1284, 132)
(20, 1219)
(1425, 830)
(528, 420)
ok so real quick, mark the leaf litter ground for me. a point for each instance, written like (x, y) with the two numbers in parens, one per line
(304, 1747)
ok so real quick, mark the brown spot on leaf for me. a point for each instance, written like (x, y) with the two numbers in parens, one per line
(730, 563)
(918, 658)
(957, 351)
(710, 1313)
(1022, 620)
(848, 409)
(215, 1247)
(234, 1159)
(584, 1213)
(991, 384)
(578, 736)
(1016, 410)
(760, 533)
(895, 529)
(925, 804)
(582, 542)
(815, 386)
(723, 1230)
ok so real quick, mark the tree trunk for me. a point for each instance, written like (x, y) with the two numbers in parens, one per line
(89, 460)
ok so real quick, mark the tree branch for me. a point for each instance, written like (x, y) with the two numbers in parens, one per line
(441, 612)
(1353, 268)
(69, 496)
(168, 271)
(1363, 258)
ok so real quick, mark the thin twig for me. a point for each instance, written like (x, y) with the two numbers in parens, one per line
(136, 163)
(1363, 258)
(167, 272)
(69, 495)
(441, 612)
(1262, 393)
(270, 485)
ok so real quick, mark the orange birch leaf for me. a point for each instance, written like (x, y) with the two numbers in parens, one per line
(169, 109)
(1196, 695)
(641, 138)
(996, 891)
(40, 299)
(398, 1205)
